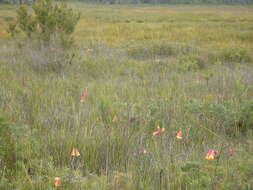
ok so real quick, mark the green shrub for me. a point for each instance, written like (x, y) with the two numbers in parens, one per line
(190, 167)
(189, 63)
(194, 178)
(47, 22)
(235, 55)
(151, 50)
(236, 120)
(48, 29)
(160, 49)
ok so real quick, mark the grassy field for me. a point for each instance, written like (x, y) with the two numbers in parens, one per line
(180, 67)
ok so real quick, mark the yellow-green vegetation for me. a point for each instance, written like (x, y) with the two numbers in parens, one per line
(187, 67)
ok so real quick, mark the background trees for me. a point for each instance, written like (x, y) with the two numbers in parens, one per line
(142, 1)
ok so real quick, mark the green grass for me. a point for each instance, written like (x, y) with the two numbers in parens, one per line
(177, 66)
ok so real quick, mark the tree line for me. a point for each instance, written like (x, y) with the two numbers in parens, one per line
(142, 1)
(169, 1)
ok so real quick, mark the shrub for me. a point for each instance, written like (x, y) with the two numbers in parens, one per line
(193, 177)
(47, 22)
(48, 29)
(189, 63)
(160, 49)
(233, 119)
(236, 55)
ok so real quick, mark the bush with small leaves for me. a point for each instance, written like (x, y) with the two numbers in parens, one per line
(47, 22)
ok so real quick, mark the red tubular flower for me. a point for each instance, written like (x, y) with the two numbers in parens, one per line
(84, 97)
(75, 152)
(231, 151)
(143, 150)
(57, 182)
(211, 154)
(179, 134)
(159, 131)
(114, 118)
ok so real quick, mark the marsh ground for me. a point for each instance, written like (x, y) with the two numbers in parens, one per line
(186, 67)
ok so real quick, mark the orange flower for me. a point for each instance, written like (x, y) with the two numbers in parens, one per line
(57, 182)
(157, 60)
(179, 134)
(231, 151)
(84, 97)
(89, 50)
(159, 131)
(75, 152)
(114, 118)
(211, 154)
(143, 150)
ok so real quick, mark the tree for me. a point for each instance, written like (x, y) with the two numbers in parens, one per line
(46, 22)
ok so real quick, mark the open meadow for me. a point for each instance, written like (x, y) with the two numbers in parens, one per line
(185, 68)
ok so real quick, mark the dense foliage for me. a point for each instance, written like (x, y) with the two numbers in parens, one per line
(168, 1)
(48, 22)
(145, 1)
